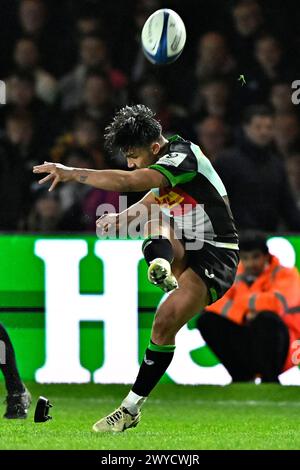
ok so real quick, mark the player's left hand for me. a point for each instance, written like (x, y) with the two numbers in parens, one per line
(57, 173)
(107, 222)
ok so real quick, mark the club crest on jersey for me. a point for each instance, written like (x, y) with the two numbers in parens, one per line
(178, 202)
(169, 200)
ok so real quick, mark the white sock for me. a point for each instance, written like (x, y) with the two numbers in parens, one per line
(133, 402)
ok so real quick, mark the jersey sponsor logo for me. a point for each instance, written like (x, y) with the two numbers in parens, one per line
(172, 159)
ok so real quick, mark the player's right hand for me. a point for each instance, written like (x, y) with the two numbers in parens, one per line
(57, 173)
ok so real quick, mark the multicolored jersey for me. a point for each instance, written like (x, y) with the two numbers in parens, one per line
(196, 197)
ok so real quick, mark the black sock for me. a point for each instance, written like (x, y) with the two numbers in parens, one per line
(158, 360)
(8, 364)
(158, 247)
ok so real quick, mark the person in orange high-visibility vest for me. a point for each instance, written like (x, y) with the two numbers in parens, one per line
(254, 329)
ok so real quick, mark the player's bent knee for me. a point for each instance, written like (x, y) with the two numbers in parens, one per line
(156, 227)
(152, 227)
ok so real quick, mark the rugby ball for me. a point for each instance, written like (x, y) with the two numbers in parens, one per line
(163, 37)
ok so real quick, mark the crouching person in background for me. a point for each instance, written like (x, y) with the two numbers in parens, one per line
(254, 327)
(18, 398)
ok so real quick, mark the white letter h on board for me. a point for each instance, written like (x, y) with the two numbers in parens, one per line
(65, 307)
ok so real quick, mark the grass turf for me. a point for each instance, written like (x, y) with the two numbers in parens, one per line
(240, 416)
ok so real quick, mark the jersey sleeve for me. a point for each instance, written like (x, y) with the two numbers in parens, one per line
(177, 167)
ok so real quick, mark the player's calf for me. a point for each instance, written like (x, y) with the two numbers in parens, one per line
(165, 327)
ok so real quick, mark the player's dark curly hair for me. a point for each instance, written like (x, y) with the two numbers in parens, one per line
(132, 126)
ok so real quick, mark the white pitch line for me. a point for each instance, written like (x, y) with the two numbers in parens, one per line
(156, 401)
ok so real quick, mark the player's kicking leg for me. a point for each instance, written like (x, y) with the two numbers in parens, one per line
(180, 306)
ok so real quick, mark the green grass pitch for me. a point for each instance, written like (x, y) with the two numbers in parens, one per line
(240, 416)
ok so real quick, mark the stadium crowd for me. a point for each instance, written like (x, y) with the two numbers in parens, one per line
(69, 65)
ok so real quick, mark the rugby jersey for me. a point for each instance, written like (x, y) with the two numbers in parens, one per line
(196, 197)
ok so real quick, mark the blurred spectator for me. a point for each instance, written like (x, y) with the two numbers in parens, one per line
(212, 136)
(98, 98)
(45, 215)
(252, 329)
(93, 54)
(26, 57)
(293, 170)
(32, 16)
(21, 96)
(256, 178)
(270, 68)
(21, 89)
(18, 153)
(286, 132)
(85, 134)
(269, 55)
(212, 99)
(172, 117)
(89, 137)
(213, 58)
(248, 22)
(97, 101)
(89, 23)
(20, 136)
(52, 38)
(280, 97)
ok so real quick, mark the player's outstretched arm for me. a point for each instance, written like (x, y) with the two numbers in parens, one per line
(109, 180)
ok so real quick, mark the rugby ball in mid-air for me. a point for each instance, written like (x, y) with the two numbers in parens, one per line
(163, 37)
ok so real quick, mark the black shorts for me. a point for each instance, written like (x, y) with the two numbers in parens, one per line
(215, 266)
